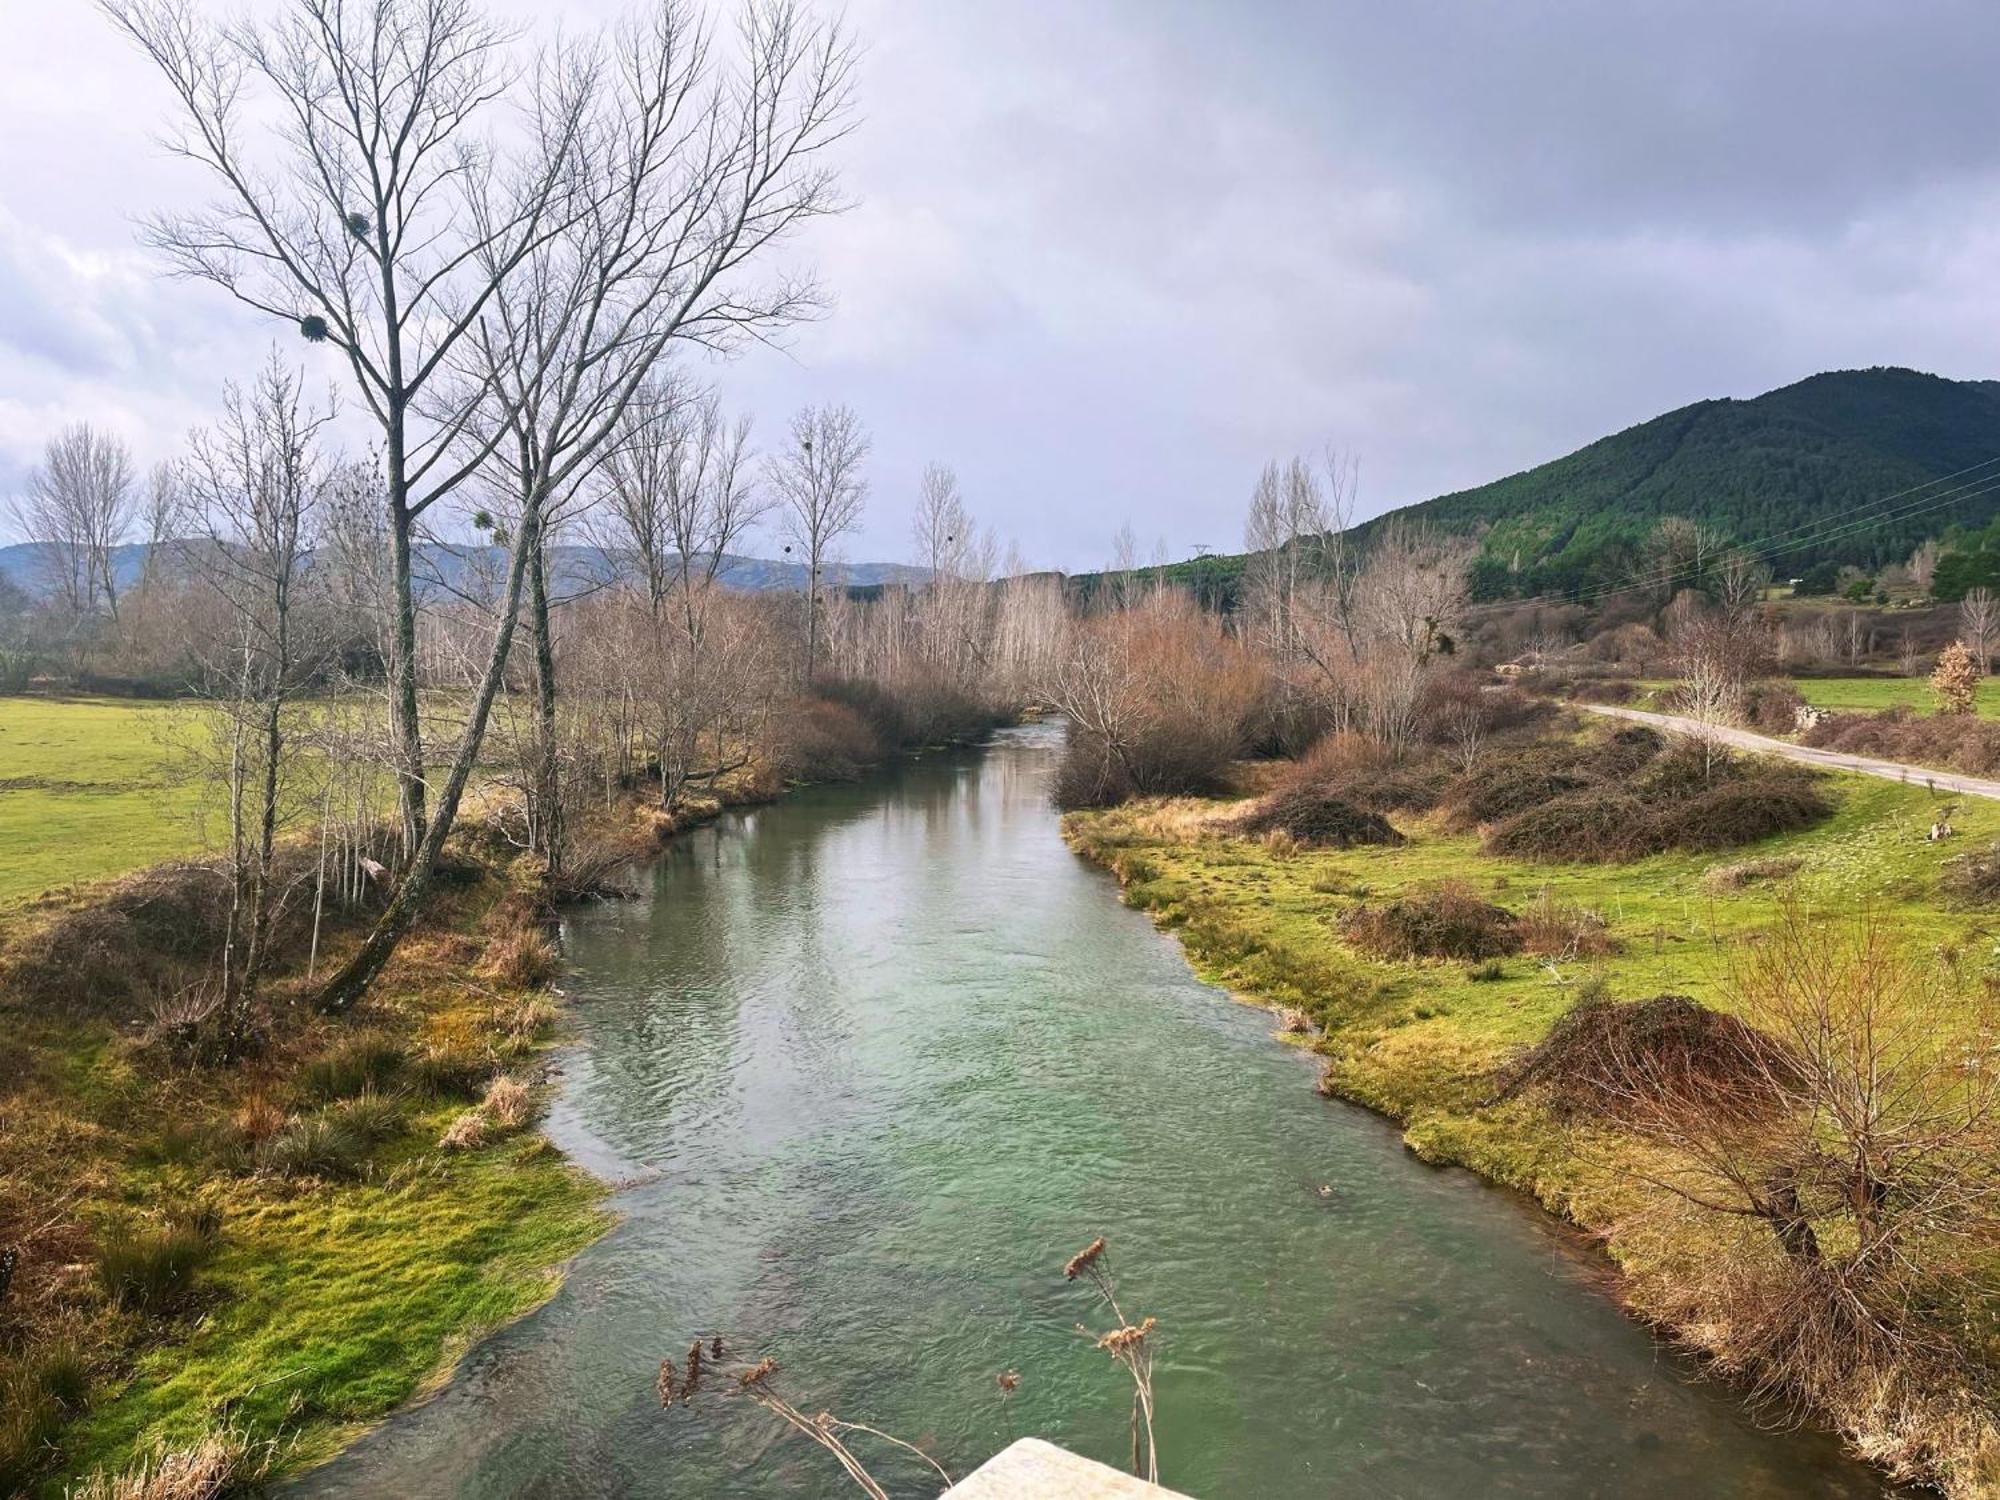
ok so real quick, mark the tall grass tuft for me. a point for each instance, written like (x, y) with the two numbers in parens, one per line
(155, 1269)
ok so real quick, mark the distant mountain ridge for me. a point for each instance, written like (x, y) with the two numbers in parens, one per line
(446, 566)
(1802, 468)
(1799, 474)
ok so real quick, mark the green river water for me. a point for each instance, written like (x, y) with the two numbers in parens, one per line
(871, 1063)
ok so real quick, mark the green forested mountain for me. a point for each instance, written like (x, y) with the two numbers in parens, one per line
(1801, 463)
(1795, 473)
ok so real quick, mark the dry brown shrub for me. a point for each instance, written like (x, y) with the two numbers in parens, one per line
(468, 1132)
(1554, 928)
(1315, 817)
(1737, 813)
(1604, 1060)
(1749, 872)
(523, 958)
(1159, 699)
(509, 1103)
(1446, 920)
(1973, 879)
(1952, 742)
(816, 739)
(1361, 771)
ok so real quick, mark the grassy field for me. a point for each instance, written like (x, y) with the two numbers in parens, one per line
(1863, 694)
(88, 790)
(1421, 1041)
(1872, 694)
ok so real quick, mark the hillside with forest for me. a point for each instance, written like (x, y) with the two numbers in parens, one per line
(1797, 467)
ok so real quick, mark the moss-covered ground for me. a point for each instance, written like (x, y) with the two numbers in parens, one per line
(328, 1299)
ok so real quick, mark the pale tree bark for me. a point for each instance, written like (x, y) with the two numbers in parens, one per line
(79, 504)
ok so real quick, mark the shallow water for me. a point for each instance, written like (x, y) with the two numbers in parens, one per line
(877, 1060)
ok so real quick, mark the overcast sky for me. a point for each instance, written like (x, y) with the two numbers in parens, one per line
(1108, 256)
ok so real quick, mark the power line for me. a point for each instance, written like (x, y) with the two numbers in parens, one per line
(1985, 485)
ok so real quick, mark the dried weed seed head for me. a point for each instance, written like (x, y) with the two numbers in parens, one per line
(1084, 1259)
(1123, 1341)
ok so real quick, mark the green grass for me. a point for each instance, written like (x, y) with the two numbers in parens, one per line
(331, 1307)
(87, 791)
(1860, 694)
(1873, 694)
(1417, 1039)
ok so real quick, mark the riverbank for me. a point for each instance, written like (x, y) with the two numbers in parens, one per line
(254, 1261)
(876, 1061)
(1422, 1042)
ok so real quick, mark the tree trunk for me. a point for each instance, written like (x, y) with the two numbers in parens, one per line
(548, 819)
(352, 981)
(405, 726)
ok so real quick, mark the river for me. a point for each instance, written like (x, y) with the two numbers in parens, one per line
(874, 1061)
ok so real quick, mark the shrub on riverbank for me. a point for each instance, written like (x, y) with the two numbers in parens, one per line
(1447, 920)
(1160, 700)
(1603, 1060)
(1631, 795)
(1315, 818)
(1360, 771)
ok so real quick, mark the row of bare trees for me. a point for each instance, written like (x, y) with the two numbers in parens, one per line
(504, 247)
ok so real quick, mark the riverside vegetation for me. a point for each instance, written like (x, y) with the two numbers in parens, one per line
(1539, 1009)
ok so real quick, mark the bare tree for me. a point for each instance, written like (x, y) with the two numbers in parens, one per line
(820, 491)
(382, 226)
(79, 505)
(677, 499)
(667, 175)
(1979, 623)
(250, 497)
(1923, 566)
(1740, 583)
(1854, 1127)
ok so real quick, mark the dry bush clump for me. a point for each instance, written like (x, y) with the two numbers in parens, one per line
(1591, 824)
(1604, 1058)
(1771, 705)
(1629, 796)
(1361, 771)
(222, 1463)
(1522, 779)
(1973, 879)
(509, 1103)
(1952, 742)
(1737, 812)
(1748, 872)
(522, 958)
(1160, 699)
(817, 739)
(1554, 928)
(1316, 818)
(1446, 920)
(467, 1132)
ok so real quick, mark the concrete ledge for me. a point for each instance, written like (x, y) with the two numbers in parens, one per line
(1034, 1470)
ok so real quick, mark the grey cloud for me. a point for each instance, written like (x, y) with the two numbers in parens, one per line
(1110, 256)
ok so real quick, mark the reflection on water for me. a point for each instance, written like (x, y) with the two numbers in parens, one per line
(876, 1060)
